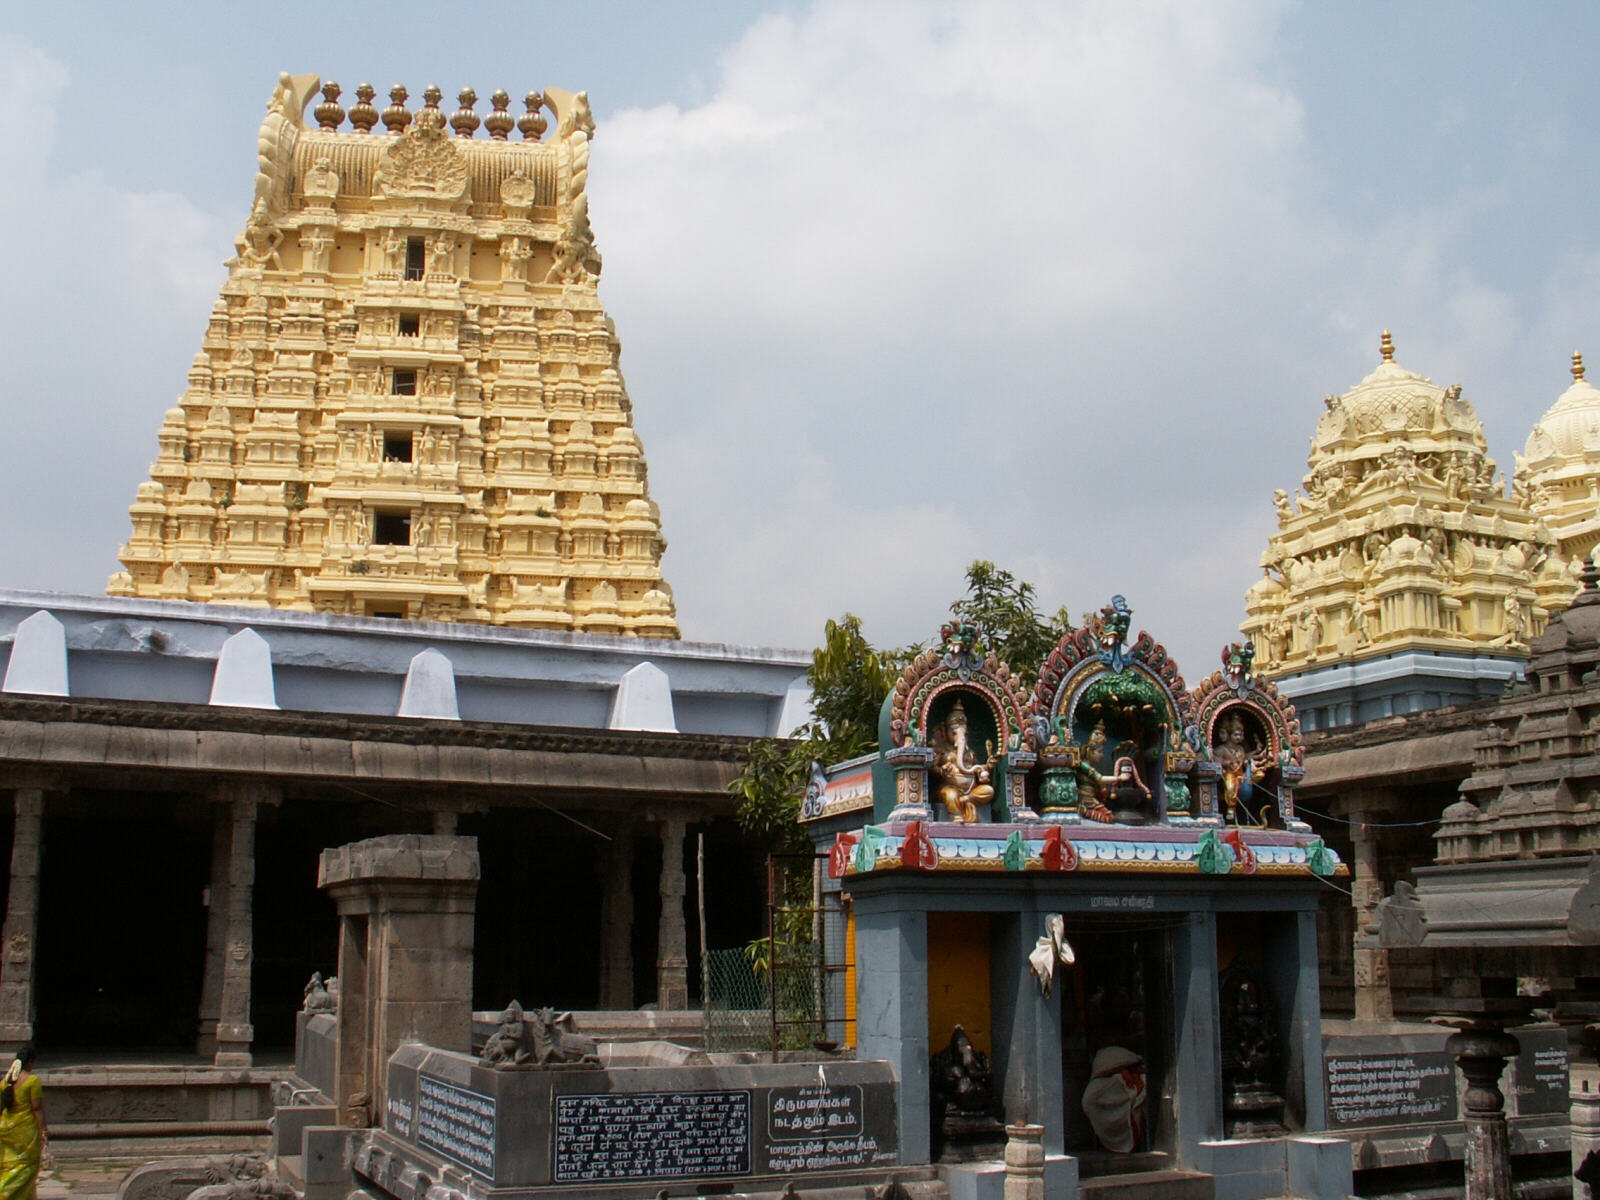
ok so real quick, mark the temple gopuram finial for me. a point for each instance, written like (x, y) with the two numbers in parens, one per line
(330, 113)
(1386, 347)
(531, 123)
(429, 115)
(1577, 365)
(465, 122)
(499, 123)
(363, 114)
(397, 116)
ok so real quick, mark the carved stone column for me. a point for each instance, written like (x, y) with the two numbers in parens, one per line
(406, 905)
(234, 1030)
(1373, 996)
(21, 932)
(672, 956)
(616, 919)
(205, 1043)
(1481, 1053)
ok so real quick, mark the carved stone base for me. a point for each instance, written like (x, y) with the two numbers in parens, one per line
(1254, 1112)
(971, 1139)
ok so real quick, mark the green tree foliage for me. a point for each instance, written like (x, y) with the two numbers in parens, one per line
(849, 680)
(1005, 611)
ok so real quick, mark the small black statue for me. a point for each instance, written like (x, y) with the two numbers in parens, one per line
(964, 1110)
(1251, 1102)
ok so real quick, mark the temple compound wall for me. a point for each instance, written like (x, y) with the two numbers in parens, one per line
(407, 400)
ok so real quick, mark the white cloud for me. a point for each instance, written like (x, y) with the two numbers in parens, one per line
(1051, 285)
(105, 298)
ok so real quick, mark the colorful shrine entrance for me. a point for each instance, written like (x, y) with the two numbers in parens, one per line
(1091, 908)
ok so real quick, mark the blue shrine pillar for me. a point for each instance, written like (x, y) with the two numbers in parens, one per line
(892, 1005)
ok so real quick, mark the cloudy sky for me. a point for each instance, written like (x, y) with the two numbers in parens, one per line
(898, 285)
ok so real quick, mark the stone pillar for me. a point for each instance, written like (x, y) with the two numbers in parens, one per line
(1481, 1053)
(1374, 998)
(205, 1043)
(616, 920)
(672, 955)
(1197, 1065)
(892, 1006)
(1024, 1162)
(1026, 1029)
(444, 822)
(234, 1031)
(406, 904)
(21, 933)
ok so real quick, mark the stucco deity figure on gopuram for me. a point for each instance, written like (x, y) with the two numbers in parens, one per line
(1252, 740)
(962, 781)
(1242, 764)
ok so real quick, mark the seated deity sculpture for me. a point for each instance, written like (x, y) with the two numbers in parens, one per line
(1241, 765)
(964, 1109)
(1094, 789)
(1119, 794)
(961, 781)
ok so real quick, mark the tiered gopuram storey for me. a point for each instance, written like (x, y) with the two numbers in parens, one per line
(407, 402)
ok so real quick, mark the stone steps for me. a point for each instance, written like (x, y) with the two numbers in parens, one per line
(1149, 1185)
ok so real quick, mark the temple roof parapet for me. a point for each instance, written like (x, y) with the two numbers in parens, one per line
(1111, 764)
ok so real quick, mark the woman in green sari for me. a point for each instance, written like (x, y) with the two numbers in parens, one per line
(23, 1135)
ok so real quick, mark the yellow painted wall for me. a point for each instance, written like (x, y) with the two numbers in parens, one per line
(958, 978)
(850, 975)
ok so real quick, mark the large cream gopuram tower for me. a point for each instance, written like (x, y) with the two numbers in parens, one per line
(407, 402)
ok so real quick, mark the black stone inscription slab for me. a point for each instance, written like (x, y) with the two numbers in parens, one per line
(799, 1113)
(1542, 1071)
(820, 1129)
(1390, 1089)
(456, 1123)
(652, 1135)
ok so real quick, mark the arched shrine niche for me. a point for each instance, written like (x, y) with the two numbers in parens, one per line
(1254, 752)
(1116, 725)
(959, 738)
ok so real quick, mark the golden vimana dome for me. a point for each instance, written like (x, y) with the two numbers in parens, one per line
(407, 401)
(1404, 536)
(1559, 468)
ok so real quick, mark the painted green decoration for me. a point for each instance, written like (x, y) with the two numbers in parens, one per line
(1177, 797)
(1016, 853)
(1211, 855)
(1059, 791)
(1124, 692)
(867, 851)
(1322, 859)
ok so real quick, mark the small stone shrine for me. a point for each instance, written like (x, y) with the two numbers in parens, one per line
(1091, 899)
